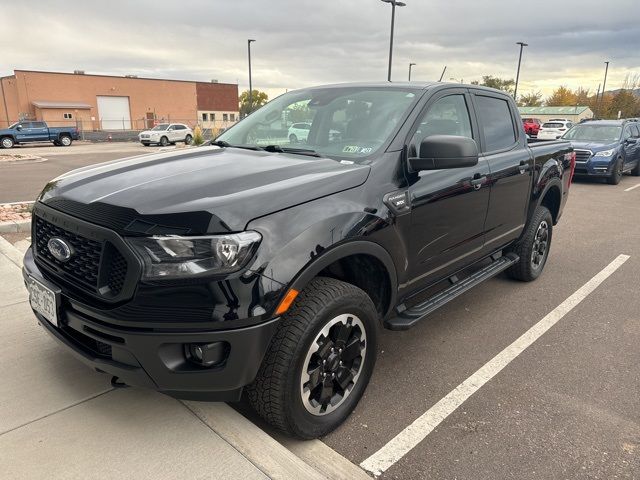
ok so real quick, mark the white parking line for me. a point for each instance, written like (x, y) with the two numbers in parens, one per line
(411, 436)
(631, 188)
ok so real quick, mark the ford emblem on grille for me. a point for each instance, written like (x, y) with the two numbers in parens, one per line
(60, 249)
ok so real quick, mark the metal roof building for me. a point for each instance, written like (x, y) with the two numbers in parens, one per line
(544, 114)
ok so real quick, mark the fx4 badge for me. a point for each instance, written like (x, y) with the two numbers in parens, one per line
(398, 202)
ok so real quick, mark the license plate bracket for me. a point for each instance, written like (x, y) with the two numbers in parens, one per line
(44, 299)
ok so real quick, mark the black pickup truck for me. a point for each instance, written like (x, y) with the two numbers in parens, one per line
(264, 266)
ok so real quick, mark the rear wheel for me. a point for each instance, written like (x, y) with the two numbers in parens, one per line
(188, 139)
(65, 140)
(533, 247)
(319, 361)
(616, 174)
(7, 142)
(636, 171)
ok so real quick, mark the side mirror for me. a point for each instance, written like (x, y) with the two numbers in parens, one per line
(445, 151)
(19, 127)
(631, 140)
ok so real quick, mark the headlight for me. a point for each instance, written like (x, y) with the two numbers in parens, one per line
(605, 153)
(182, 257)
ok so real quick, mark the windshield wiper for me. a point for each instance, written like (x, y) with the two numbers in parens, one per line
(223, 144)
(296, 151)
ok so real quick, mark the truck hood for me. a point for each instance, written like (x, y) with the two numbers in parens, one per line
(233, 185)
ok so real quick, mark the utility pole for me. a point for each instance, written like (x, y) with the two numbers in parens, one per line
(515, 91)
(442, 74)
(410, 65)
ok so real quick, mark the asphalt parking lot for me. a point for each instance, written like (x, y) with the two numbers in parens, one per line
(23, 181)
(567, 406)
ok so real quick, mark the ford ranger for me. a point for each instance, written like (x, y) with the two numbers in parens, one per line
(33, 132)
(260, 266)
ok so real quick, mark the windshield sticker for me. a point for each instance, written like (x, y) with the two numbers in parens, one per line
(357, 149)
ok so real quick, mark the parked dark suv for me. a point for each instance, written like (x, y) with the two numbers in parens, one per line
(606, 148)
(261, 265)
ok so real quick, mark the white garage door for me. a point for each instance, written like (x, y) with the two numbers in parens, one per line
(114, 113)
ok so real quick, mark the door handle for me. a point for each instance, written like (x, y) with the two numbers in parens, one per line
(524, 167)
(477, 181)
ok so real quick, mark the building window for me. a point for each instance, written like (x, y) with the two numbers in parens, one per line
(233, 117)
(225, 117)
(67, 115)
(205, 117)
(213, 117)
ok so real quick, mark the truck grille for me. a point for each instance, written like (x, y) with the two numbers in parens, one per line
(92, 266)
(583, 155)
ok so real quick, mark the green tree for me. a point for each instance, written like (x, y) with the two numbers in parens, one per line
(258, 99)
(623, 101)
(533, 99)
(506, 85)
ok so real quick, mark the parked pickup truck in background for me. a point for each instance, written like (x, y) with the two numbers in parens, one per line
(606, 148)
(266, 267)
(31, 131)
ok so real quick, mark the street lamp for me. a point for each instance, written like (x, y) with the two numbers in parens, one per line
(515, 90)
(410, 65)
(250, 84)
(604, 85)
(394, 4)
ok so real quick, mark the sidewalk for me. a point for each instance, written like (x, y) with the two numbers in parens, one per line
(59, 419)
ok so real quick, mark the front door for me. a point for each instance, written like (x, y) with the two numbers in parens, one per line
(630, 146)
(447, 210)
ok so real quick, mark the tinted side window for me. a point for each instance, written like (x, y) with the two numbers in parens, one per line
(27, 125)
(627, 132)
(447, 116)
(496, 122)
(39, 125)
(180, 127)
(635, 130)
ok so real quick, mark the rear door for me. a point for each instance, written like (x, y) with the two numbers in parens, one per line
(511, 164)
(447, 210)
(39, 132)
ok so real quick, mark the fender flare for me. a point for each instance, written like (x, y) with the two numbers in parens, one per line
(356, 247)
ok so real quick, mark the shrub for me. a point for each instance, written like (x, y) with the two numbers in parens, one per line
(198, 137)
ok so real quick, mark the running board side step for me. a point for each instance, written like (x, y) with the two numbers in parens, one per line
(408, 318)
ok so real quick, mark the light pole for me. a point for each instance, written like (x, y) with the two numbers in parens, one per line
(515, 90)
(410, 65)
(394, 4)
(250, 84)
(604, 85)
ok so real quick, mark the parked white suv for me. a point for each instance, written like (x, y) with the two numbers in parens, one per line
(299, 132)
(554, 129)
(166, 133)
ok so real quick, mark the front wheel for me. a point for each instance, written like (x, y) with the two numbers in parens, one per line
(293, 138)
(164, 141)
(320, 360)
(533, 247)
(7, 142)
(616, 174)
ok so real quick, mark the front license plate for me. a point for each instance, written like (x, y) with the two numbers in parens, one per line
(43, 300)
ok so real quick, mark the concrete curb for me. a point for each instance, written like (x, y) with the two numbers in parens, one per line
(11, 252)
(19, 226)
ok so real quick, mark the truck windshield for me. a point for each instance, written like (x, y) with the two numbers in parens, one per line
(594, 133)
(162, 126)
(343, 122)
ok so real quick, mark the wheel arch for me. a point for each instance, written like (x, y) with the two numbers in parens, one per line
(354, 262)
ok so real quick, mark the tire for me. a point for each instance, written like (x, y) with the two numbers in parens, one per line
(65, 140)
(7, 142)
(164, 141)
(533, 247)
(636, 171)
(293, 138)
(280, 394)
(188, 139)
(146, 144)
(616, 174)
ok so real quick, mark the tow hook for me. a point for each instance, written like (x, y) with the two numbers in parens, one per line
(117, 383)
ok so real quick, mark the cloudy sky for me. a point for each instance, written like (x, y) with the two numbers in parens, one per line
(307, 42)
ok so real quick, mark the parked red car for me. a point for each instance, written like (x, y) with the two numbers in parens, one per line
(531, 126)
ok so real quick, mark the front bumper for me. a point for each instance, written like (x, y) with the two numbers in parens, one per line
(595, 167)
(155, 357)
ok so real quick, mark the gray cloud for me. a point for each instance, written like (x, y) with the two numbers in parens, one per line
(310, 42)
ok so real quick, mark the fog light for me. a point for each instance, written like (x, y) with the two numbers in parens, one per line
(207, 354)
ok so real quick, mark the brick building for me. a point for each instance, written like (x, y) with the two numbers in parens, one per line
(105, 102)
